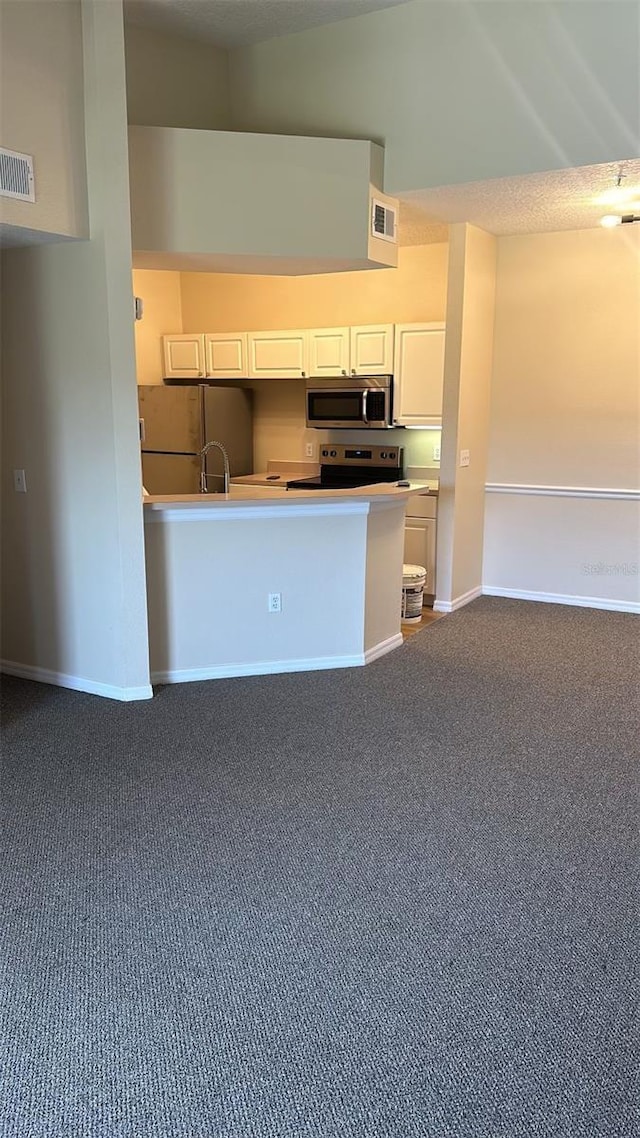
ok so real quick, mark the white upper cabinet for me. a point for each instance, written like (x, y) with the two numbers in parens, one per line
(329, 351)
(213, 355)
(418, 374)
(365, 350)
(372, 350)
(226, 355)
(184, 356)
(279, 355)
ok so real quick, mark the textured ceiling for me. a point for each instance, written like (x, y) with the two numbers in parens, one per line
(535, 203)
(236, 23)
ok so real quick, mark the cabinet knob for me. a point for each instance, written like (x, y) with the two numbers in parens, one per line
(353, 371)
(303, 374)
(200, 373)
(344, 371)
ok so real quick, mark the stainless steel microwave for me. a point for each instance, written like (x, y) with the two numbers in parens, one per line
(350, 401)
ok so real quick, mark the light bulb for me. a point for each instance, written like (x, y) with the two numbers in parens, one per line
(610, 220)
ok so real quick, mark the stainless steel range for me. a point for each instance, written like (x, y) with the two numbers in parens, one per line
(347, 467)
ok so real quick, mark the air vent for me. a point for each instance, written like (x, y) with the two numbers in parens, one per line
(16, 175)
(384, 219)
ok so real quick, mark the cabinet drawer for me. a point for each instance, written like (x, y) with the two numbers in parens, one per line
(422, 506)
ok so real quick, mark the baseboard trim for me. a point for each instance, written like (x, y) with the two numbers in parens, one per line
(259, 668)
(75, 683)
(606, 603)
(457, 602)
(383, 647)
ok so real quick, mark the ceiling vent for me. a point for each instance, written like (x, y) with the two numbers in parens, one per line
(16, 176)
(384, 221)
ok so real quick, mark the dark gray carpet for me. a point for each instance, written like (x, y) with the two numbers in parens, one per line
(393, 902)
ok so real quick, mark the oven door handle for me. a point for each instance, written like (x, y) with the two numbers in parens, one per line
(364, 405)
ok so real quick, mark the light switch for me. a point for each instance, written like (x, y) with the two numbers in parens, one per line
(19, 481)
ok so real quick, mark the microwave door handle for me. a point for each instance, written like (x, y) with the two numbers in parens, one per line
(364, 406)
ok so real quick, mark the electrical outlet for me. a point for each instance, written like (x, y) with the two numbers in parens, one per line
(19, 482)
(464, 458)
(309, 449)
(436, 454)
(274, 603)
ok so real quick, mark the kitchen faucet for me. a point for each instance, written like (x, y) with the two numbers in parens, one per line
(203, 466)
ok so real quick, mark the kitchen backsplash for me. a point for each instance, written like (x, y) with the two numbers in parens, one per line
(280, 431)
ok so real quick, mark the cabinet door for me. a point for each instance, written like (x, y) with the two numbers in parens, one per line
(226, 355)
(329, 351)
(183, 356)
(278, 355)
(372, 350)
(418, 374)
(420, 548)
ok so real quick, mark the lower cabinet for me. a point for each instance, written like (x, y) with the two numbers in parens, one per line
(420, 538)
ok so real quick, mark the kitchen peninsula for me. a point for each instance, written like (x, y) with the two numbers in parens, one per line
(332, 559)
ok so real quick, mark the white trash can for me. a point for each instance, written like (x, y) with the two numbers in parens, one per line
(413, 579)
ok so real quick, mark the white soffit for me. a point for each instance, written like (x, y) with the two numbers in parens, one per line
(531, 203)
(238, 23)
(239, 263)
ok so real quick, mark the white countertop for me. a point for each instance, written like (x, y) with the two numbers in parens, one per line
(257, 494)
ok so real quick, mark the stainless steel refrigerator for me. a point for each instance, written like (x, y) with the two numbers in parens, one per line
(176, 422)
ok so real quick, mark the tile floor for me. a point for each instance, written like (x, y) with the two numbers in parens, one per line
(428, 617)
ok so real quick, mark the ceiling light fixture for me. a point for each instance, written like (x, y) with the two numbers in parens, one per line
(610, 220)
(619, 196)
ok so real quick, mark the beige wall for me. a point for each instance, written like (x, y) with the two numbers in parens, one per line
(41, 112)
(73, 577)
(565, 414)
(467, 384)
(160, 292)
(415, 291)
(215, 302)
(567, 364)
(172, 81)
(455, 92)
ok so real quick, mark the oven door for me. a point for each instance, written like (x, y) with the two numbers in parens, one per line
(357, 402)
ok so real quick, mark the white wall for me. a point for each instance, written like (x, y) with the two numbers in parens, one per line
(172, 81)
(455, 92)
(42, 113)
(565, 416)
(73, 583)
(252, 196)
(330, 617)
(465, 414)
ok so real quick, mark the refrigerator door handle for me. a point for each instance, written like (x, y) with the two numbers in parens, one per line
(141, 430)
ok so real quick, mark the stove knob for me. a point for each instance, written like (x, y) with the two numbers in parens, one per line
(383, 454)
(333, 453)
(325, 453)
(392, 454)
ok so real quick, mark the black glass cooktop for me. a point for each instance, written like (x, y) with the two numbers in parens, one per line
(318, 483)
